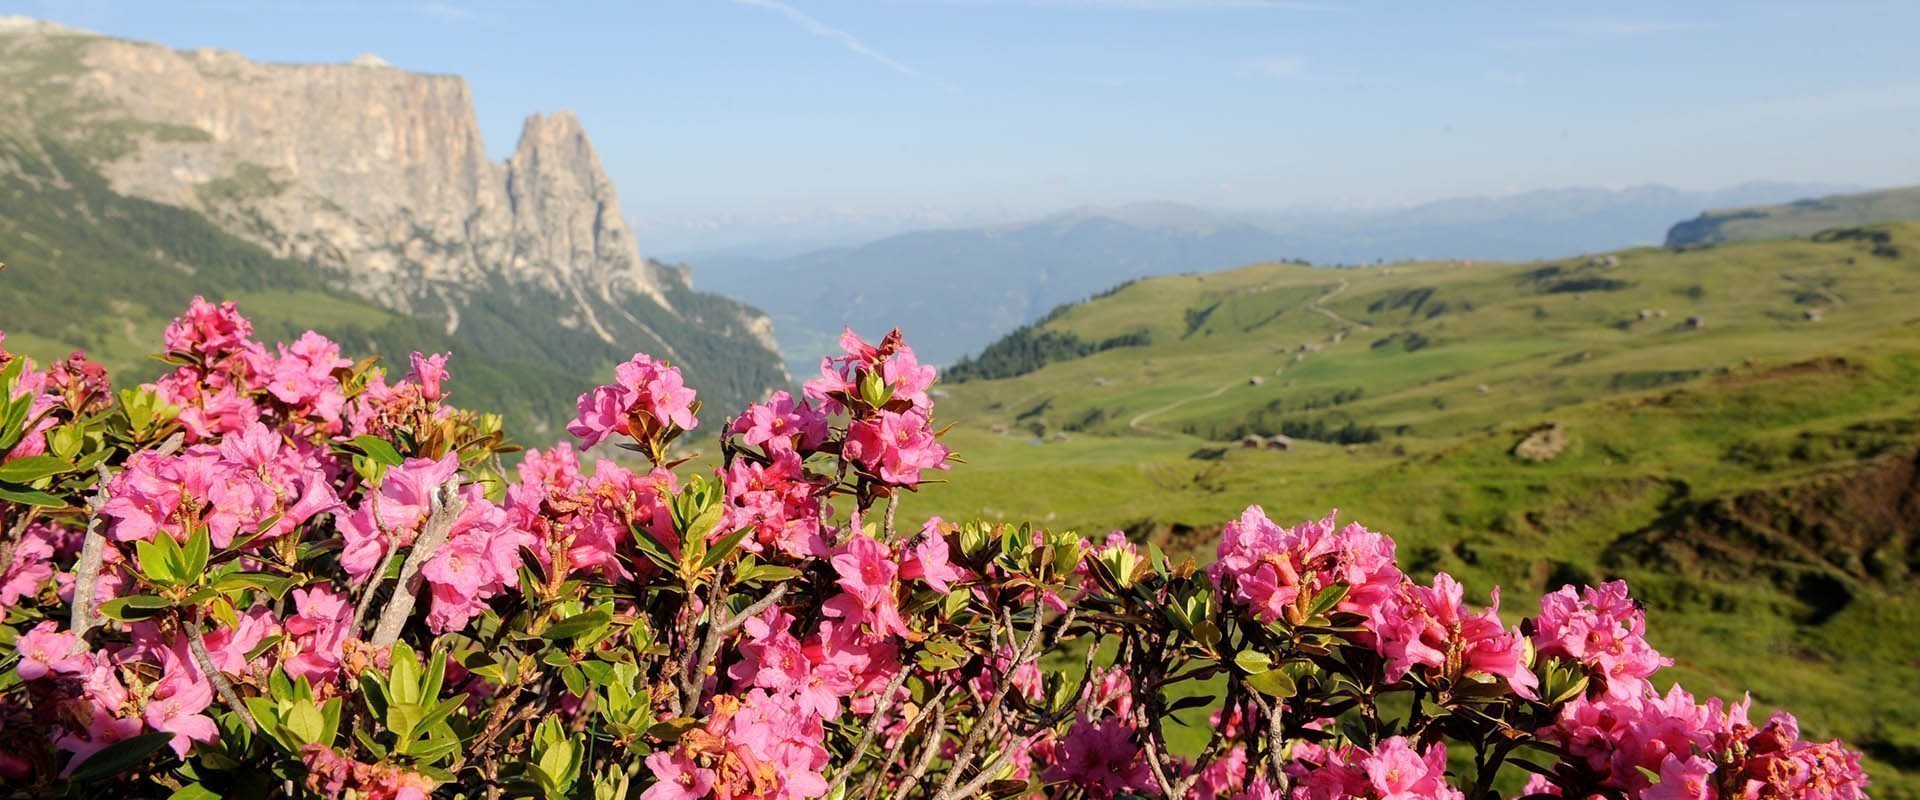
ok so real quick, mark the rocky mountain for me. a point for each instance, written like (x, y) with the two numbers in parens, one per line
(377, 181)
(1803, 217)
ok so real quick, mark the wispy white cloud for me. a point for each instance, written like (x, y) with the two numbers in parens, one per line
(1143, 5)
(806, 22)
(1276, 66)
(1618, 28)
(446, 11)
(1593, 30)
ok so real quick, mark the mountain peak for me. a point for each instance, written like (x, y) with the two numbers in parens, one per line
(18, 24)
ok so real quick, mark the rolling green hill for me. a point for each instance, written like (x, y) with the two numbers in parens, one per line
(1738, 432)
(1799, 218)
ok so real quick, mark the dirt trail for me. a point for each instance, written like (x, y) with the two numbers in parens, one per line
(1316, 308)
(1137, 423)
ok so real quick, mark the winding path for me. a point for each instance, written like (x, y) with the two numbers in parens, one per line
(1137, 423)
(1316, 308)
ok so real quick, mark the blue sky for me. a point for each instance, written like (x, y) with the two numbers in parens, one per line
(712, 107)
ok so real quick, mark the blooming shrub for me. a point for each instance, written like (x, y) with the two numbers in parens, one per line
(277, 571)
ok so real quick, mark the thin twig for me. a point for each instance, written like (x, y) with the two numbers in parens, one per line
(991, 710)
(197, 644)
(929, 748)
(86, 574)
(439, 525)
(880, 710)
(733, 623)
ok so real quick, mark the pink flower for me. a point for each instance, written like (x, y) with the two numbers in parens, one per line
(1682, 779)
(676, 778)
(32, 565)
(1602, 628)
(1275, 572)
(319, 629)
(647, 392)
(895, 447)
(1432, 627)
(103, 729)
(391, 517)
(1101, 758)
(780, 501)
(866, 570)
(207, 330)
(929, 559)
(430, 372)
(47, 650)
(176, 706)
(1398, 773)
(892, 362)
(782, 424)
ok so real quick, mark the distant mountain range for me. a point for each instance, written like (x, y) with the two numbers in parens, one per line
(954, 290)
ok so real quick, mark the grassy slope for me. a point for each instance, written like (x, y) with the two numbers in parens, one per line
(1665, 423)
(1799, 218)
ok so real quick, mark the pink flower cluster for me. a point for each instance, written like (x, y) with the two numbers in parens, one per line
(1393, 770)
(1431, 627)
(251, 482)
(1700, 751)
(891, 434)
(479, 559)
(767, 738)
(333, 775)
(586, 523)
(152, 683)
(1603, 629)
(225, 381)
(1277, 572)
(645, 399)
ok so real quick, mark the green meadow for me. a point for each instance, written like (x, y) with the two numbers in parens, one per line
(1738, 429)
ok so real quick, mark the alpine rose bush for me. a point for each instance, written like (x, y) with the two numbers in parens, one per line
(276, 571)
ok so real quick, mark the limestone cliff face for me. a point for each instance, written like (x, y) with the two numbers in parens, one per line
(375, 175)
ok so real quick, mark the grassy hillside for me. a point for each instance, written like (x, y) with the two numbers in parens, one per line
(1798, 218)
(1753, 473)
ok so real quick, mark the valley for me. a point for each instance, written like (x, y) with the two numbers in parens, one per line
(1738, 430)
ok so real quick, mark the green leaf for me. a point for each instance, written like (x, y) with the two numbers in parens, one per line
(137, 607)
(305, 722)
(652, 549)
(193, 560)
(151, 557)
(32, 468)
(120, 756)
(723, 548)
(404, 720)
(575, 680)
(578, 625)
(403, 680)
(436, 675)
(378, 449)
(1252, 662)
(194, 791)
(1273, 682)
(27, 496)
(375, 691)
(767, 572)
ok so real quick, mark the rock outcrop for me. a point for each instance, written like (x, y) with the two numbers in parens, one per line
(364, 169)
(377, 178)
